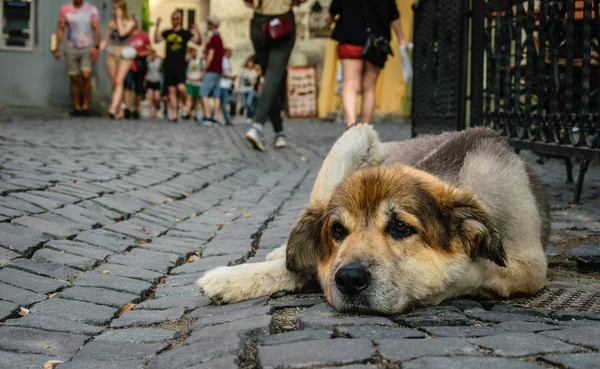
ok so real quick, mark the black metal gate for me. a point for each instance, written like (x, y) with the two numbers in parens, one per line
(534, 73)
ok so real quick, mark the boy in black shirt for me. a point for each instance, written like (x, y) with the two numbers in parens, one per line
(174, 65)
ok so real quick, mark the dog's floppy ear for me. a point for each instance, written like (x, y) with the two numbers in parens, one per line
(304, 241)
(471, 221)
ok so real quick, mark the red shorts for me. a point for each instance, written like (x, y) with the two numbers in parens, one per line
(349, 51)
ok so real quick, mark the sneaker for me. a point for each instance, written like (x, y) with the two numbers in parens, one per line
(214, 121)
(86, 113)
(206, 122)
(280, 142)
(254, 136)
(127, 113)
(75, 113)
(135, 115)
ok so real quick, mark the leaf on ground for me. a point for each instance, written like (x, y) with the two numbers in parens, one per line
(193, 215)
(126, 308)
(147, 231)
(247, 214)
(228, 213)
(51, 295)
(177, 220)
(303, 158)
(161, 281)
(141, 242)
(223, 223)
(191, 259)
(23, 311)
(51, 363)
(167, 200)
(186, 194)
(77, 182)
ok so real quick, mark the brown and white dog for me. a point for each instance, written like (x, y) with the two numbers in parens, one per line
(411, 223)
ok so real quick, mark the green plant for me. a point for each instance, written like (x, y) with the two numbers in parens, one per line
(146, 23)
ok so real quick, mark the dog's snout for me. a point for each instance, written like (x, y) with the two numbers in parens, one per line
(352, 279)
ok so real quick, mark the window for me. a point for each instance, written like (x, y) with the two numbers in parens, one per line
(191, 14)
(18, 25)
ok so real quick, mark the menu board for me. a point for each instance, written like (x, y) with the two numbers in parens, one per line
(302, 92)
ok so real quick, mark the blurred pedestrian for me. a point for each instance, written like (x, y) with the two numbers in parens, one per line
(363, 32)
(120, 53)
(83, 43)
(245, 88)
(140, 41)
(195, 63)
(174, 64)
(153, 83)
(225, 85)
(273, 34)
(212, 72)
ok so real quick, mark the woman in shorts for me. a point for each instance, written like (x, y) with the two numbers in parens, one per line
(153, 83)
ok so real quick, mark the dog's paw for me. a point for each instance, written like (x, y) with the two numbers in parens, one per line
(219, 285)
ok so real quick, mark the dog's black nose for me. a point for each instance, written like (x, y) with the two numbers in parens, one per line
(352, 279)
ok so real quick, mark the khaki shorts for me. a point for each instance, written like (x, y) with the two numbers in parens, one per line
(113, 56)
(78, 60)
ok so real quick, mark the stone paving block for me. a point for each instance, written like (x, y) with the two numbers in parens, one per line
(312, 353)
(10, 360)
(259, 325)
(134, 230)
(182, 280)
(107, 240)
(7, 309)
(540, 313)
(121, 203)
(33, 341)
(185, 291)
(202, 265)
(32, 282)
(182, 249)
(79, 248)
(99, 296)
(57, 219)
(113, 282)
(296, 336)
(46, 269)
(97, 364)
(144, 219)
(44, 203)
(195, 354)
(585, 336)
(401, 350)
(297, 302)
(523, 344)
(226, 362)
(20, 239)
(146, 259)
(138, 335)
(468, 363)
(80, 215)
(495, 317)
(324, 316)
(53, 324)
(60, 257)
(10, 213)
(129, 272)
(118, 351)
(575, 315)
(229, 308)
(462, 304)
(209, 318)
(49, 229)
(517, 326)
(19, 296)
(169, 302)
(433, 316)
(575, 361)
(14, 203)
(466, 331)
(135, 318)
(376, 334)
(75, 310)
(6, 256)
(92, 206)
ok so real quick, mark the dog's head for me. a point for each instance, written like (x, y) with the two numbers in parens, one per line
(391, 237)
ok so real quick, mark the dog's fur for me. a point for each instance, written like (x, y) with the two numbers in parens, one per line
(473, 216)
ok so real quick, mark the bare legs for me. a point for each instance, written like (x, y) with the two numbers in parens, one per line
(358, 76)
(117, 72)
(75, 91)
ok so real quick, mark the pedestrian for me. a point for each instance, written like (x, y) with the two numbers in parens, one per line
(174, 64)
(245, 88)
(363, 32)
(194, 80)
(153, 82)
(82, 46)
(227, 79)
(140, 41)
(273, 34)
(211, 74)
(120, 53)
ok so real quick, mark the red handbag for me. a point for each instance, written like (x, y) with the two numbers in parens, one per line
(277, 28)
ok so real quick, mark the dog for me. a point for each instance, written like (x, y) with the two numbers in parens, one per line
(392, 226)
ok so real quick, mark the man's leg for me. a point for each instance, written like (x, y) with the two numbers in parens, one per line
(184, 97)
(224, 93)
(75, 80)
(174, 102)
(86, 74)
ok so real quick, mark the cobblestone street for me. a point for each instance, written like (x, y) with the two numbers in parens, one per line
(105, 227)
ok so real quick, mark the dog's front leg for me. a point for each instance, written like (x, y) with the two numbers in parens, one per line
(248, 281)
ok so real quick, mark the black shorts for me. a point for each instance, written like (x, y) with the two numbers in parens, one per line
(138, 83)
(153, 86)
(174, 76)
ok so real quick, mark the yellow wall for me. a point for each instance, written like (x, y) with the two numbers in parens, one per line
(393, 94)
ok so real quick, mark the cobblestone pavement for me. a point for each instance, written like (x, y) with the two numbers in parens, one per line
(105, 227)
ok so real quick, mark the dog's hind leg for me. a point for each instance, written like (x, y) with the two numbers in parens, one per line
(248, 281)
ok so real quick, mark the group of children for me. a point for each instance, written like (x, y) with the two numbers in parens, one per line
(242, 90)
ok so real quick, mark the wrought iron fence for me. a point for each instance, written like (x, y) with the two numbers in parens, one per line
(534, 74)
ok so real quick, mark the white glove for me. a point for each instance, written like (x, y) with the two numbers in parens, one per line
(407, 69)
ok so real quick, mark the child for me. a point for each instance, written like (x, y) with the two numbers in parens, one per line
(247, 80)
(194, 81)
(153, 83)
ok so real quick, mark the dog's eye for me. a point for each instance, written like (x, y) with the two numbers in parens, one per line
(338, 232)
(399, 230)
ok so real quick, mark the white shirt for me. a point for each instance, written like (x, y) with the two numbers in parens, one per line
(153, 74)
(247, 80)
(194, 70)
(226, 83)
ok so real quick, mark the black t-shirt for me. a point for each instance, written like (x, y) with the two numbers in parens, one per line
(176, 47)
(353, 22)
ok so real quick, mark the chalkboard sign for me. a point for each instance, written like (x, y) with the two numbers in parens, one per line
(302, 92)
